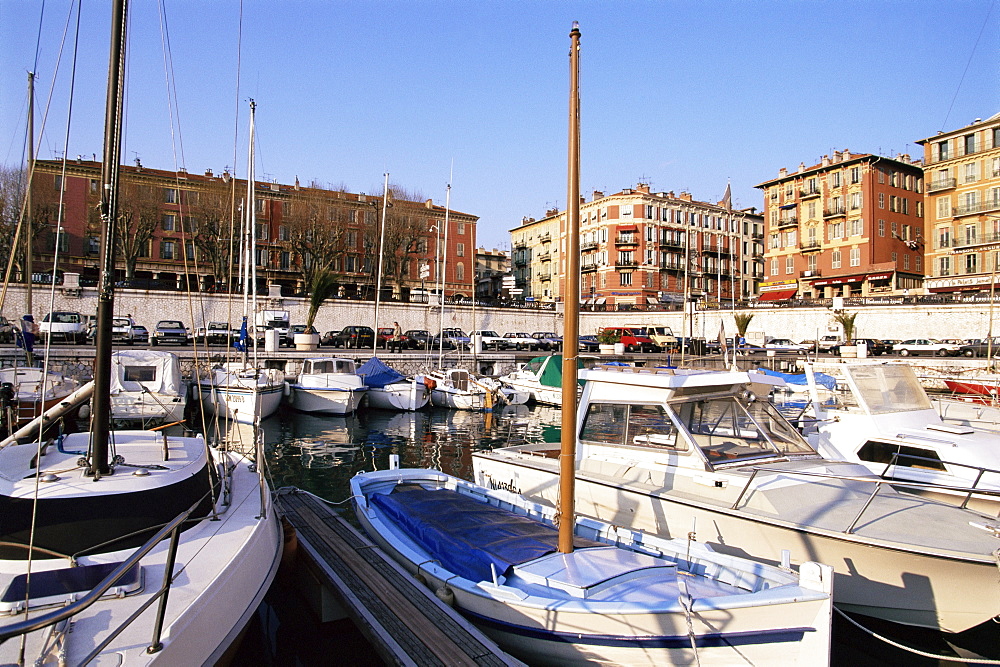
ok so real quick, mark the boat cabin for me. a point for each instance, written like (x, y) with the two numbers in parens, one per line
(322, 366)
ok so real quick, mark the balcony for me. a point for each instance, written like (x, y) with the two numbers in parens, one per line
(790, 221)
(627, 239)
(584, 268)
(805, 193)
(520, 261)
(626, 264)
(810, 273)
(941, 184)
(834, 211)
(672, 242)
(545, 238)
(811, 246)
(545, 277)
(589, 245)
(977, 207)
(520, 245)
(673, 266)
(970, 244)
(544, 256)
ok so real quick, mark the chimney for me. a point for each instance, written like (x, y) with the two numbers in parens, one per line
(802, 167)
(296, 182)
(782, 172)
(208, 173)
(225, 176)
(429, 203)
(643, 187)
(598, 195)
(825, 161)
(686, 196)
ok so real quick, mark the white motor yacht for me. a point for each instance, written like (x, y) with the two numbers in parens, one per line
(329, 385)
(673, 452)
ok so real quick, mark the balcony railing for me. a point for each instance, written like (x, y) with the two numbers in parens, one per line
(790, 221)
(834, 211)
(810, 273)
(810, 246)
(588, 245)
(627, 239)
(805, 193)
(977, 207)
(544, 257)
(626, 264)
(941, 184)
(545, 277)
(588, 267)
(672, 242)
(985, 239)
(543, 238)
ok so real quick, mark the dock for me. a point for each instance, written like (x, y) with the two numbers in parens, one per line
(404, 621)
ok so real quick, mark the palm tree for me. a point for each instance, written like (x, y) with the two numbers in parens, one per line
(742, 323)
(322, 287)
(846, 320)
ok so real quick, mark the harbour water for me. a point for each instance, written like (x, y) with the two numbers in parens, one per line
(321, 454)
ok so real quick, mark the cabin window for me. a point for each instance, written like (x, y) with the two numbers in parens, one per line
(908, 457)
(636, 425)
(139, 374)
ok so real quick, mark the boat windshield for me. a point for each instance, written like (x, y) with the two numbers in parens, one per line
(729, 430)
(885, 389)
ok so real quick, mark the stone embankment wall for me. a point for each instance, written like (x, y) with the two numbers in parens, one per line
(902, 322)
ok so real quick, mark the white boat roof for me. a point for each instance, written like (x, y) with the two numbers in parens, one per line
(674, 378)
(130, 368)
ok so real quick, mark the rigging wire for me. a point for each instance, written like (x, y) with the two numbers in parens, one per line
(968, 63)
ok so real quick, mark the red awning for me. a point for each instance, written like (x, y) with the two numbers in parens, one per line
(777, 295)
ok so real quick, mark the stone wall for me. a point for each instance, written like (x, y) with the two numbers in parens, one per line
(902, 322)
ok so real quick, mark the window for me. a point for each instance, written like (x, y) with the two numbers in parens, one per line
(837, 230)
(855, 200)
(944, 266)
(91, 245)
(460, 271)
(811, 262)
(855, 175)
(835, 176)
(58, 241)
(261, 205)
(944, 238)
(625, 278)
(790, 264)
(881, 200)
(461, 229)
(881, 227)
(169, 223)
(93, 186)
(811, 208)
(282, 232)
(900, 455)
(262, 231)
(460, 249)
(906, 206)
(855, 256)
(906, 262)
(943, 207)
(774, 266)
(971, 171)
(189, 250)
(169, 195)
(971, 262)
(857, 226)
(970, 143)
(167, 249)
(633, 425)
(835, 259)
(943, 150)
(970, 233)
(285, 260)
(625, 211)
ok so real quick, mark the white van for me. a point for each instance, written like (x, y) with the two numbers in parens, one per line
(63, 325)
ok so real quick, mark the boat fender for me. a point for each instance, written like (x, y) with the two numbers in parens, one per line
(446, 595)
(430, 383)
(286, 389)
(84, 412)
(486, 369)
(421, 579)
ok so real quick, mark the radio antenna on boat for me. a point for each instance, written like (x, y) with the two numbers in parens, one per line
(571, 327)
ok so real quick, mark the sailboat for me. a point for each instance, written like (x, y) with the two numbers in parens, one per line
(554, 588)
(241, 390)
(132, 547)
(388, 389)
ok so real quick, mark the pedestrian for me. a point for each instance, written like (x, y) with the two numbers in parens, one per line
(396, 344)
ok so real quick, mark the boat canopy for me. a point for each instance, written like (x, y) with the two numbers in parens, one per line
(132, 370)
(822, 379)
(375, 373)
(549, 370)
(468, 536)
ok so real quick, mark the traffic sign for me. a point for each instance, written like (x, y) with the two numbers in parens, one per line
(425, 271)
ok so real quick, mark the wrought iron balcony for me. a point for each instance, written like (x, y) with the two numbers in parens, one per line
(941, 184)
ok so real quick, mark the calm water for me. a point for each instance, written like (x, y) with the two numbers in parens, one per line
(321, 454)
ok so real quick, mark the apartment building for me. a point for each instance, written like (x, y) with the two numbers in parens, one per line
(642, 248)
(182, 230)
(962, 172)
(491, 267)
(850, 225)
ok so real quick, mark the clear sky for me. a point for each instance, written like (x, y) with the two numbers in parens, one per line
(684, 95)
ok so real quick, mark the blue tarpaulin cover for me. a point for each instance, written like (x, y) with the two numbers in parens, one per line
(374, 373)
(822, 379)
(466, 535)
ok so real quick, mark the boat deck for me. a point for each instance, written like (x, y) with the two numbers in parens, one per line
(404, 621)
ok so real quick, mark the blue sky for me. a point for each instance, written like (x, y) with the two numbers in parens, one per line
(685, 95)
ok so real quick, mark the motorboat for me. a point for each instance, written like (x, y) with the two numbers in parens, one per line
(540, 379)
(886, 422)
(147, 389)
(26, 392)
(240, 392)
(388, 389)
(329, 385)
(621, 596)
(668, 451)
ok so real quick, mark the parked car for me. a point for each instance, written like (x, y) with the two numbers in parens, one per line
(589, 343)
(123, 330)
(549, 340)
(712, 346)
(63, 325)
(980, 347)
(491, 339)
(875, 347)
(297, 329)
(785, 345)
(916, 346)
(521, 341)
(384, 335)
(170, 332)
(352, 336)
(662, 336)
(633, 338)
(418, 339)
(827, 343)
(216, 333)
(458, 338)
(140, 335)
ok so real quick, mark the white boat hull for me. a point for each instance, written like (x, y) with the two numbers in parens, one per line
(240, 404)
(790, 628)
(327, 400)
(399, 396)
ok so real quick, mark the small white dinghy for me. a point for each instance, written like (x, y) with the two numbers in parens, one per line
(620, 597)
(328, 385)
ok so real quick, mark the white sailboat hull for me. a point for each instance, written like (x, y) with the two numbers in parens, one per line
(401, 396)
(788, 625)
(240, 404)
(329, 400)
(456, 399)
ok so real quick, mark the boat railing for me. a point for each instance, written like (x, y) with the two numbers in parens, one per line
(877, 483)
(171, 529)
(979, 471)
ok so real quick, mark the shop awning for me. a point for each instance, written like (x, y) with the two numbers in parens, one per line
(650, 299)
(777, 295)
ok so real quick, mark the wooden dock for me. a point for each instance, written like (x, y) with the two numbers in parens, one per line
(402, 619)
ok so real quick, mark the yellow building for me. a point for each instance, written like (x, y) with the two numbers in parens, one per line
(962, 172)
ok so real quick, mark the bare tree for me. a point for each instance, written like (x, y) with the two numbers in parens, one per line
(405, 234)
(316, 231)
(215, 232)
(12, 180)
(138, 216)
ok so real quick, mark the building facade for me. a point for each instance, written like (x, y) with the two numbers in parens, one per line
(641, 248)
(962, 173)
(491, 267)
(851, 225)
(182, 231)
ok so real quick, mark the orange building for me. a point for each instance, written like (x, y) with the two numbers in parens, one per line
(851, 225)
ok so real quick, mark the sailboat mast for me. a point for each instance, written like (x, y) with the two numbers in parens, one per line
(249, 229)
(571, 299)
(444, 277)
(101, 427)
(29, 232)
(381, 255)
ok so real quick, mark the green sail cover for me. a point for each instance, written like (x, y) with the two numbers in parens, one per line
(549, 370)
